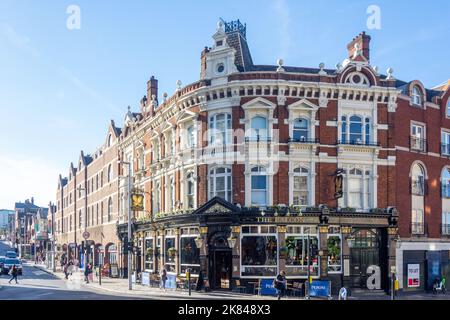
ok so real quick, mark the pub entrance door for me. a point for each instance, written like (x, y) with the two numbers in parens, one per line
(364, 252)
(221, 269)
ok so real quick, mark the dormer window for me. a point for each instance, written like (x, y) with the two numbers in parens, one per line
(219, 43)
(417, 96)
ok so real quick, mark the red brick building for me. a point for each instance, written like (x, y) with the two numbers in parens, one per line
(238, 171)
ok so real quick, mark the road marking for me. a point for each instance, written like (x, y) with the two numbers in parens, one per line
(39, 273)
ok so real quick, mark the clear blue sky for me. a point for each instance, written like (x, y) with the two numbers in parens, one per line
(60, 87)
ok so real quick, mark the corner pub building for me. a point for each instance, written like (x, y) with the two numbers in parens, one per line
(237, 170)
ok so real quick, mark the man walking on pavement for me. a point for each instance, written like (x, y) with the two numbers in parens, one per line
(13, 273)
(87, 271)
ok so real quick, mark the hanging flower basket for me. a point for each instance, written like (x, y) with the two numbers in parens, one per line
(172, 252)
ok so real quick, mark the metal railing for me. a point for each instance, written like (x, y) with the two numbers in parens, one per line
(417, 144)
(258, 139)
(359, 143)
(418, 228)
(304, 140)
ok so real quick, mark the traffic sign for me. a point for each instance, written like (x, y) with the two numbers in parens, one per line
(86, 235)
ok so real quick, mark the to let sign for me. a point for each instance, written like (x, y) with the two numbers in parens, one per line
(413, 275)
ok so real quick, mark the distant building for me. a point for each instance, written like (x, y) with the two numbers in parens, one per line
(24, 217)
(5, 217)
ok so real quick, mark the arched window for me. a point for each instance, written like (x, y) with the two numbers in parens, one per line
(417, 96)
(220, 183)
(259, 186)
(259, 128)
(190, 192)
(190, 137)
(220, 129)
(110, 209)
(172, 193)
(301, 130)
(301, 186)
(80, 219)
(101, 212)
(157, 197)
(109, 141)
(445, 182)
(418, 180)
(355, 130)
(355, 188)
(110, 173)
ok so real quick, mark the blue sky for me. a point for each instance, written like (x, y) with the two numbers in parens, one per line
(60, 87)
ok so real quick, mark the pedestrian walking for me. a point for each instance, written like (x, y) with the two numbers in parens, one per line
(13, 274)
(163, 279)
(280, 284)
(87, 271)
(66, 272)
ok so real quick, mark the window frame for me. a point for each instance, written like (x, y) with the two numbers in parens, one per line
(228, 182)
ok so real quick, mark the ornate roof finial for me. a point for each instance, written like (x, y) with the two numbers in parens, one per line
(280, 63)
(390, 71)
(220, 25)
(179, 83)
(322, 72)
(129, 108)
(165, 95)
(358, 50)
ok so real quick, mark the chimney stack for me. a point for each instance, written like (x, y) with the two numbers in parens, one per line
(203, 63)
(152, 90)
(32, 200)
(363, 42)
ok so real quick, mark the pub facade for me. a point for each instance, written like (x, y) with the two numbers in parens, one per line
(239, 171)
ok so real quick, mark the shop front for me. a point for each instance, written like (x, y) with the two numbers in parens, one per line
(233, 246)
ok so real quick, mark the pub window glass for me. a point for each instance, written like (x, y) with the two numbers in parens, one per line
(297, 251)
(149, 255)
(169, 246)
(259, 254)
(189, 255)
(334, 253)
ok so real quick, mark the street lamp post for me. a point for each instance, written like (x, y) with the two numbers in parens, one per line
(130, 284)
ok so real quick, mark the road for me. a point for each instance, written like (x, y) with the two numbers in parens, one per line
(35, 284)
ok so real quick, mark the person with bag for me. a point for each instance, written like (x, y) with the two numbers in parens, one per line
(280, 283)
(13, 272)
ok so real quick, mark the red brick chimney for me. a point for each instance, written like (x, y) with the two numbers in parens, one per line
(203, 63)
(152, 90)
(363, 42)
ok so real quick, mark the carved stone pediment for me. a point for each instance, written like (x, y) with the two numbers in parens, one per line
(217, 208)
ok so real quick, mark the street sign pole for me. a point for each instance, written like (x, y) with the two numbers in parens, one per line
(309, 272)
(130, 284)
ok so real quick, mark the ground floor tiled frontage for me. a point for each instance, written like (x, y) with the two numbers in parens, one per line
(232, 247)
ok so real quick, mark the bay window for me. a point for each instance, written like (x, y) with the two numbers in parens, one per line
(301, 187)
(259, 186)
(190, 190)
(259, 251)
(190, 137)
(297, 240)
(445, 182)
(220, 129)
(259, 129)
(220, 183)
(445, 143)
(355, 130)
(301, 130)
